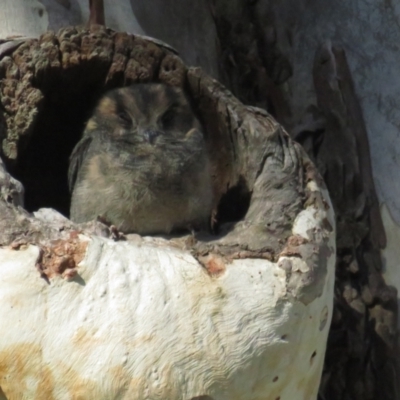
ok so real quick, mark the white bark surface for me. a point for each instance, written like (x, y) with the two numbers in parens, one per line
(222, 337)
(31, 18)
(23, 18)
(143, 320)
(391, 254)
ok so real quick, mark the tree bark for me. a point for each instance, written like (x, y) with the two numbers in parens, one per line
(256, 65)
(279, 220)
(364, 330)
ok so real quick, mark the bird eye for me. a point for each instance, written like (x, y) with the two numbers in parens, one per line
(125, 118)
(167, 120)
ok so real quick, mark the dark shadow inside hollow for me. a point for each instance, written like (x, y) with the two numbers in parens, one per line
(234, 204)
(42, 165)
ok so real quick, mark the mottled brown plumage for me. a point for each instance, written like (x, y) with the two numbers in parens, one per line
(142, 163)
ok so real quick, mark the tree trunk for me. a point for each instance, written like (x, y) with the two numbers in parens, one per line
(253, 47)
(187, 317)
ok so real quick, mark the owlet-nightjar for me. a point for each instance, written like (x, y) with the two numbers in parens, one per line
(142, 163)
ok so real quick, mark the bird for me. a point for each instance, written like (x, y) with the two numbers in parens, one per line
(142, 163)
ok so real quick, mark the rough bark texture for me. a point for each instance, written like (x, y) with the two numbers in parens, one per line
(251, 64)
(270, 203)
(257, 179)
(59, 70)
(49, 86)
(366, 308)
(362, 357)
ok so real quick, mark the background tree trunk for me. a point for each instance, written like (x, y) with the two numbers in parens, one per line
(269, 54)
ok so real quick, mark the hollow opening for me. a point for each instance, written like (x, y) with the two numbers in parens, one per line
(42, 164)
(43, 157)
(234, 204)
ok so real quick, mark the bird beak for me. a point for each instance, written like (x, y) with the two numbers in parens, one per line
(150, 135)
